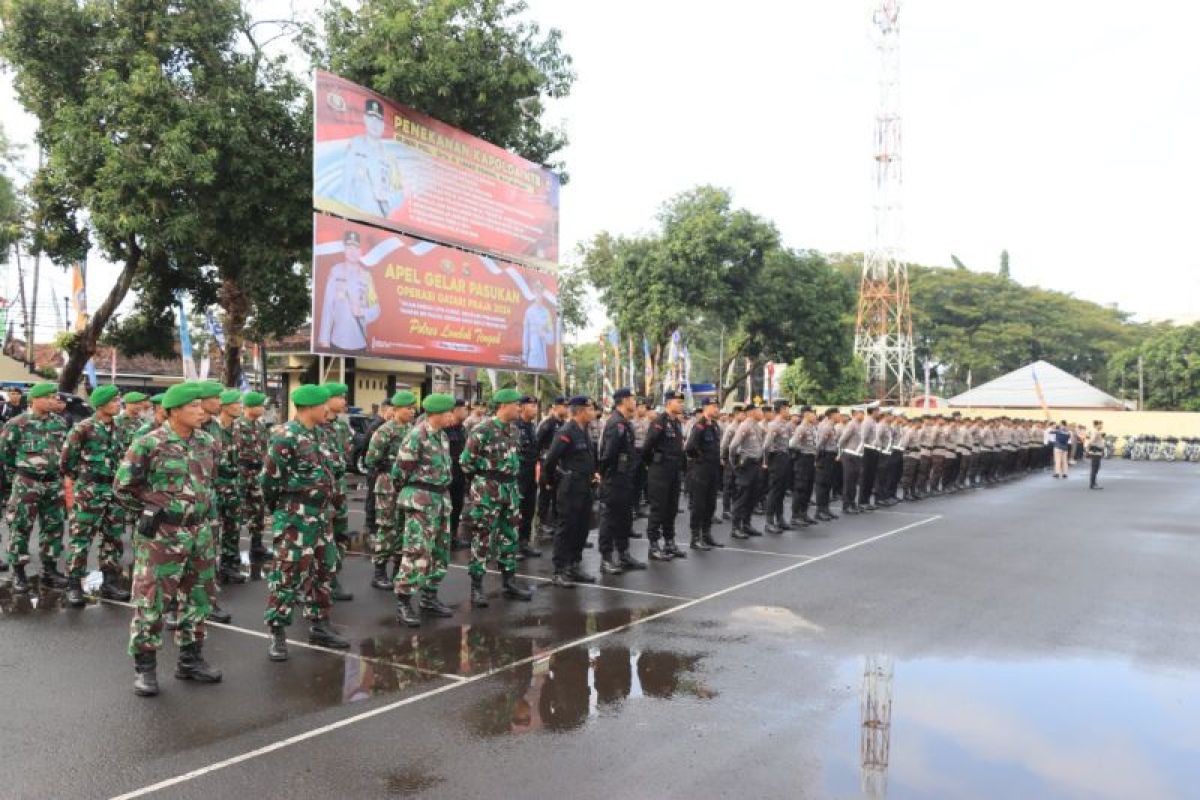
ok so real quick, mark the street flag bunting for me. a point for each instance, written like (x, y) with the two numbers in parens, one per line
(185, 344)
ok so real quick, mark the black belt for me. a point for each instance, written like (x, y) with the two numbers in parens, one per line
(429, 487)
(183, 519)
(95, 477)
(254, 466)
(33, 476)
(494, 474)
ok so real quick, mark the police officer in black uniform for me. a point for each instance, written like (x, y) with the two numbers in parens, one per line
(572, 464)
(618, 486)
(457, 436)
(663, 454)
(547, 432)
(703, 450)
(527, 478)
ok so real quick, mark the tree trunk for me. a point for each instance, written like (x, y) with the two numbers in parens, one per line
(237, 307)
(84, 346)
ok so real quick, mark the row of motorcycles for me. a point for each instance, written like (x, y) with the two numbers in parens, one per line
(1155, 448)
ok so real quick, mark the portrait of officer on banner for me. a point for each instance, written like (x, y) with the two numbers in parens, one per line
(537, 335)
(350, 302)
(371, 179)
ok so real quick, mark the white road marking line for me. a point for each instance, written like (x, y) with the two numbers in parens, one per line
(543, 579)
(342, 723)
(761, 552)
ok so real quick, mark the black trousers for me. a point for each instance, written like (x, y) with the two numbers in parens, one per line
(748, 477)
(1095, 469)
(908, 474)
(891, 465)
(804, 473)
(618, 495)
(457, 489)
(728, 486)
(825, 468)
(527, 483)
(870, 470)
(639, 480)
(369, 505)
(574, 495)
(937, 465)
(663, 483)
(547, 501)
(779, 478)
(923, 468)
(703, 481)
(964, 467)
(835, 479)
(950, 472)
(851, 472)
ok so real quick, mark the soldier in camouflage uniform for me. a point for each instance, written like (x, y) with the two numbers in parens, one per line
(251, 436)
(299, 485)
(381, 455)
(129, 422)
(88, 464)
(338, 442)
(422, 477)
(229, 489)
(209, 393)
(30, 447)
(492, 461)
(157, 420)
(167, 477)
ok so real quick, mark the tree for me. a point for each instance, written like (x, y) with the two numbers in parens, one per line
(1004, 273)
(469, 63)
(957, 263)
(11, 211)
(797, 384)
(1171, 366)
(120, 92)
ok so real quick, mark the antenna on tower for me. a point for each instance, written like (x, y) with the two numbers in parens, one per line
(883, 330)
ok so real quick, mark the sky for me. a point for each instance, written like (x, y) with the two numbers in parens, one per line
(1061, 131)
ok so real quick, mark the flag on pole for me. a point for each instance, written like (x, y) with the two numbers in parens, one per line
(647, 364)
(687, 377)
(215, 329)
(1037, 388)
(185, 344)
(79, 300)
(632, 375)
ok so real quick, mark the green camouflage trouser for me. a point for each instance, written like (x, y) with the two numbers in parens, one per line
(176, 564)
(229, 511)
(388, 522)
(425, 542)
(495, 509)
(253, 505)
(95, 513)
(305, 559)
(341, 522)
(31, 500)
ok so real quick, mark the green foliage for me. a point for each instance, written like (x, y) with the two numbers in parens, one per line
(958, 264)
(12, 212)
(1171, 368)
(797, 384)
(473, 64)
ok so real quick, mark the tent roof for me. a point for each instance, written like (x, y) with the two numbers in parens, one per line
(1016, 390)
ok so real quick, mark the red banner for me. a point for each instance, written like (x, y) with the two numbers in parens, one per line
(389, 165)
(387, 295)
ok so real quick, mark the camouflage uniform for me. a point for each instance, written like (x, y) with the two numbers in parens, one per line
(336, 440)
(229, 495)
(162, 470)
(128, 429)
(90, 459)
(250, 438)
(381, 455)
(30, 446)
(493, 460)
(298, 485)
(422, 471)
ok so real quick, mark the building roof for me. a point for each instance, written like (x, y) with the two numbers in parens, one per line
(1017, 390)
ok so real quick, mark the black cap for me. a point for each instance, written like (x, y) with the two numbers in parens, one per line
(525, 399)
(621, 394)
(374, 108)
(709, 401)
(806, 409)
(671, 394)
(351, 237)
(560, 401)
(579, 400)
(781, 405)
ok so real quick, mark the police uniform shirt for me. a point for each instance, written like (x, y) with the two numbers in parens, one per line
(827, 436)
(747, 442)
(851, 440)
(804, 439)
(617, 450)
(776, 438)
(868, 430)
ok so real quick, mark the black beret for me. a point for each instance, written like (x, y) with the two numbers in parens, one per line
(671, 394)
(579, 400)
(621, 394)
(709, 401)
(560, 401)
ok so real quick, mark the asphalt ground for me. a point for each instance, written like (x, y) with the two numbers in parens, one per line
(1031, 640)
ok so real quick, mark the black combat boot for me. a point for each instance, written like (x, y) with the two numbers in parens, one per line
(738, 532)
(257, 551)
(528, 551)
(561, 580)
(111, 590)
(611, 565)
(698, 542)
(215, 613)
(708, 539)
(145, 684)
(231, 572)
(322, 633)
(629, 563)
(478, 596)
(405, 613)
(430, 602)
(338, 593)
(75, 593)
(514, 590)
(672, 549)
(657, 553)
(577, 574)
(193, 667)
(783, 524)
(171, 615)
(278, 649)
(380, 580)
(750, 530)
(51, 577)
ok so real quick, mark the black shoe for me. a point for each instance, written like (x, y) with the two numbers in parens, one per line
(739, 533)
(111, 590)
(278, 649)
(636, 535)
(672, 549)
(145, 684)
(215, 614)
(322, 633)
(478, 596)
(339, 594)
(257, 551)
(457, 544)
(706, 536)
(588, 545)
(577, 575)
(75, 593)
(405, 613)
(514, 590)
(561, 580)
(849, 510)
(1095, 487)
(431, 603)
(657, 553)
(726, 516)
(380, 579)
(698, 543)
(784, 525)
(804, 519)
(52, 578)
(193, 667)
(750, 530)
(629, 563)
(231, 573)
(611, 565)
(868, 507)
(772, 528)
(528, 551)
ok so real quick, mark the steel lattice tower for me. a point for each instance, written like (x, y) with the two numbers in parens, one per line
(883, 331)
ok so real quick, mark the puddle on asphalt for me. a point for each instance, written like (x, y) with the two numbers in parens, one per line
(564, 690)
(968, 728)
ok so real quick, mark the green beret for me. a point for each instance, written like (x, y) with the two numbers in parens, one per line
(230, 396)
(252, 399)
(43, 390)
(135, 397)
(102, 395)
(437, 403)
(404, 399)
(207, 389)
(158, 398)
(180, 395)
(506, 396)
(335, 389)
(309, 395)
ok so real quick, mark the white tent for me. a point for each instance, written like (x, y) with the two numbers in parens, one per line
(1017, 389)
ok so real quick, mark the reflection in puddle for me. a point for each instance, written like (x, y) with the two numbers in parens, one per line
(562, 691)
(875, 711)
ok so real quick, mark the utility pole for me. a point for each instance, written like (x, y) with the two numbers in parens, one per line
(1141, 386)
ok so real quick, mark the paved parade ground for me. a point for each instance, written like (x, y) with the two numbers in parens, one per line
(1031, 640)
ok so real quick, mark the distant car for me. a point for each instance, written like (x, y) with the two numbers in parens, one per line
(360, 425)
